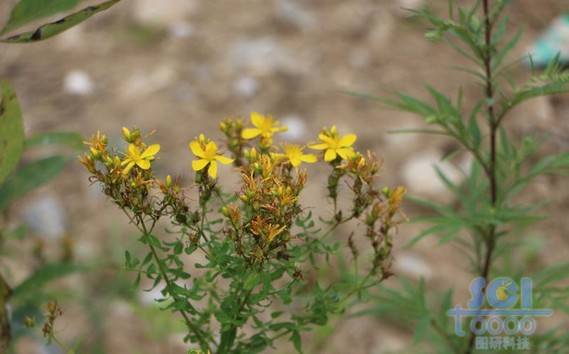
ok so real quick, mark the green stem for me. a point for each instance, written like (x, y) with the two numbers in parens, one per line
(202, 341)
(490, 235)
(228, 336)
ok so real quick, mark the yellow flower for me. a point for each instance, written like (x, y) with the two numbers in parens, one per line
(126, 133)
(208, 156)
(335, 145)
(265, 126)
(295, 155)
(135, 157)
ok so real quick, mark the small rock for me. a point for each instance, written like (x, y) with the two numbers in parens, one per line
(45, 217)
(181, 29)
(78, 82)
(296, 128)
(292, 13)
(403, 6)
(141, 84)
(413, 266)
(246, 86)
(262, 56)
(421, 178)
(163, 13)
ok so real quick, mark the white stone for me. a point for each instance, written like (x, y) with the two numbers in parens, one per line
(78, 82)
(45, 217)
(292, 13)
(144, 83)
(403, 6)
(413, 266)
(246, 86)
(181, 29)
(261, 56)
(163, 13)
(296, 128)
(421, 178)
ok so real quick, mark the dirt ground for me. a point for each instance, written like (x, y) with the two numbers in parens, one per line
(181, 66)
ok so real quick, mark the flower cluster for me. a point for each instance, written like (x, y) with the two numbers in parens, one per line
(261, 222)
(253, 235)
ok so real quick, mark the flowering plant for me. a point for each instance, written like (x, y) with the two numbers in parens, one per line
(235, 265)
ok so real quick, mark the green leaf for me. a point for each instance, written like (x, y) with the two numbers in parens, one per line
(51, 29)
(251, 281)
(30, 177)
(130, 260)
(69, 139)
(27, 11)
(43, 276)
(11, 131)
(296, 341)
(151, 240)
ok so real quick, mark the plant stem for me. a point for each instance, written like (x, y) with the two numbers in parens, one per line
(228, 336)
(203, 342)
(490, 235)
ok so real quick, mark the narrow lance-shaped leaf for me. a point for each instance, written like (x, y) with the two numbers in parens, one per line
(27, 11)
(11, 131)
(30, 177)
(46, 274)
(69, 139)
(51, 29)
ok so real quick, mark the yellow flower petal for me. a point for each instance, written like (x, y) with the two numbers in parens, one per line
(133, 150)
(257, 119)
(318, 146)
(224, 160)
(348, 140)
(196, 148)
(150, 151)
(210, 149)
(308, 158)
(128, 167)
(346, 153)
(328, 140)
(295, 161)
(330, 155)
(250, 133)
(280, 128)
(144, 164)
(198, 165)
(212, 170)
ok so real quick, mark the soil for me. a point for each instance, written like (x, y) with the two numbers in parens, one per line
(179, 68)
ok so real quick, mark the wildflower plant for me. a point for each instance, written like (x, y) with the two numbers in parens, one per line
(236, 265)
(486, 217)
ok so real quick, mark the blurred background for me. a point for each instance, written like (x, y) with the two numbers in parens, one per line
(180, 66)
